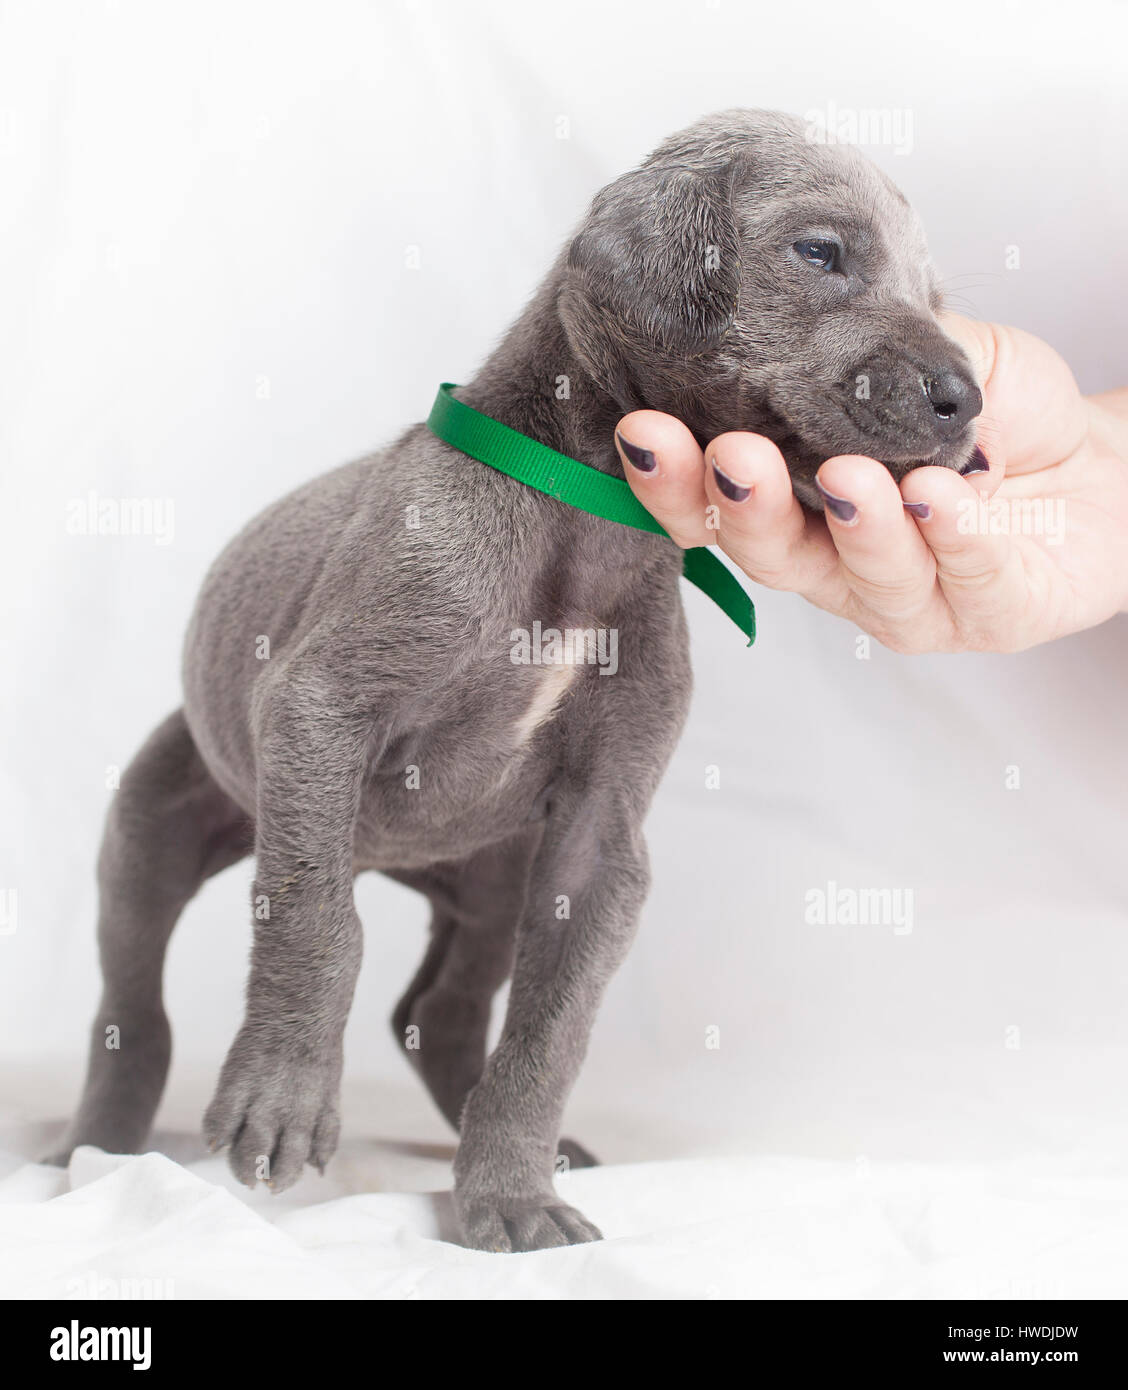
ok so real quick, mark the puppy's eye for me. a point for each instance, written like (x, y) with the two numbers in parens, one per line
(823, 255)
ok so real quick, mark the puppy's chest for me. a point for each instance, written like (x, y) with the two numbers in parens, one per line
(478, 738)
(471, 766)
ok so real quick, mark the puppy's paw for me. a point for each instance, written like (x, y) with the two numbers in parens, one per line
(510, 1225)
(275, 1109)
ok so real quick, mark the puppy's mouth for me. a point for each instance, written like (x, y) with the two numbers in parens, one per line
(829, 427)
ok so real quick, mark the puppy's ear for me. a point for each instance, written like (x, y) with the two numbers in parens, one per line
(651, 279)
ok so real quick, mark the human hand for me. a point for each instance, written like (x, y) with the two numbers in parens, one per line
(926, 566)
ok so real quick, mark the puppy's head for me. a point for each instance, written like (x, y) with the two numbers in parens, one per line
(745, 277)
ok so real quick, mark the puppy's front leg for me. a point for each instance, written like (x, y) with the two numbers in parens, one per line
(276, 1103)
(588, 882)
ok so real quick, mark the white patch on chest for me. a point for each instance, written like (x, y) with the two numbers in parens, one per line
(552, 685)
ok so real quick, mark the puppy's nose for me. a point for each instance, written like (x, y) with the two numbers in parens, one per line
(955, 401)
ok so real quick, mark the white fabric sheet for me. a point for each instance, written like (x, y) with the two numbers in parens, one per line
(725, 1225)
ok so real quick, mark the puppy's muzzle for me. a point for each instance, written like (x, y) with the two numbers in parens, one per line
(909, 409)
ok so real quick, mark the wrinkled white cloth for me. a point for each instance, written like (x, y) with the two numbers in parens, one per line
(380, 1225)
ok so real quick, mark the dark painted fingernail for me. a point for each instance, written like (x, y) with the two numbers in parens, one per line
(837, 506)
(976, 464)
(735, 492)
(642, 459)
(921, 509)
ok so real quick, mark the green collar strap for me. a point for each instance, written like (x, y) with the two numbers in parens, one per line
(581, 486)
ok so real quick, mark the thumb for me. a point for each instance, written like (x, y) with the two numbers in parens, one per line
(1033, 414)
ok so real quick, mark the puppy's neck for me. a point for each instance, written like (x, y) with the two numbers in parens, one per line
(534, 383)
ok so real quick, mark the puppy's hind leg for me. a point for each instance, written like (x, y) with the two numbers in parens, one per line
(443, 1019)
(169, 828)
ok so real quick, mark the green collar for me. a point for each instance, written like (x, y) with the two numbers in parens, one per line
(581, 486)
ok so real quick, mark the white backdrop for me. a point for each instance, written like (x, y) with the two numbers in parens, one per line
(243, 242)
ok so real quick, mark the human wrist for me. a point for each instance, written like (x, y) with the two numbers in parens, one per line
(1108, 436)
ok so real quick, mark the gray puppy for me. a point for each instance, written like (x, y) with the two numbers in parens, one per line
(742, 278)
